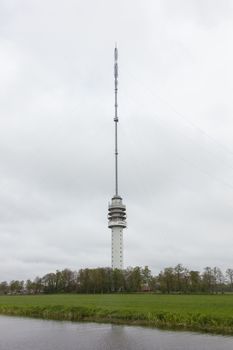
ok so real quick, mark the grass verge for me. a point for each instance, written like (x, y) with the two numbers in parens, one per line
(213, 314)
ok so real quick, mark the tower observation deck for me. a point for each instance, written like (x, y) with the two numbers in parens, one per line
(116, 209)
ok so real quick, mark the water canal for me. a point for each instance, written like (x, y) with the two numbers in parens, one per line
(18, 333)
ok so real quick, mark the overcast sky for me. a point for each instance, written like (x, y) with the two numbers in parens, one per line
(56, 133)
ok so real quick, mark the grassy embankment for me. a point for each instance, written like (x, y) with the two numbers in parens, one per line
(206, 313)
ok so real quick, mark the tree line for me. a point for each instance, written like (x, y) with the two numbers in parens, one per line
(176, 279)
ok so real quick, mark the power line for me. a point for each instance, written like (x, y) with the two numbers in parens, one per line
(182, 116)
(217, 179)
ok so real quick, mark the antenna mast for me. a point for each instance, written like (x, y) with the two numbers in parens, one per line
(116, 118)
(116, 209)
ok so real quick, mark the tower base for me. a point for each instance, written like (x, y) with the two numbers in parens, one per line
(117, 247)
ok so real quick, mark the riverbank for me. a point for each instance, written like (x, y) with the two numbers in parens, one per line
(202, 313)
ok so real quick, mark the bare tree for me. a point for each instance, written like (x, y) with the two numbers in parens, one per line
(229, 275)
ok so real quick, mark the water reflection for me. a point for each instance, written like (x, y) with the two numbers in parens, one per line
(30, 334)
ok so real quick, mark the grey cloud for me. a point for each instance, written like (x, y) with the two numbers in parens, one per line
(207, 12)
(56, 134)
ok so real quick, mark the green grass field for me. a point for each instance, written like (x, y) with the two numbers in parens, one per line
(209, 313)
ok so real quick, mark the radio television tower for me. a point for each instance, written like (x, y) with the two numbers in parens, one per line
(116, 209)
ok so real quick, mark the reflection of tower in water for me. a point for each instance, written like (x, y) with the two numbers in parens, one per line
(116, 209)
(119, 337)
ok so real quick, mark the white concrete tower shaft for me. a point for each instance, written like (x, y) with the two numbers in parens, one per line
(116, 210)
